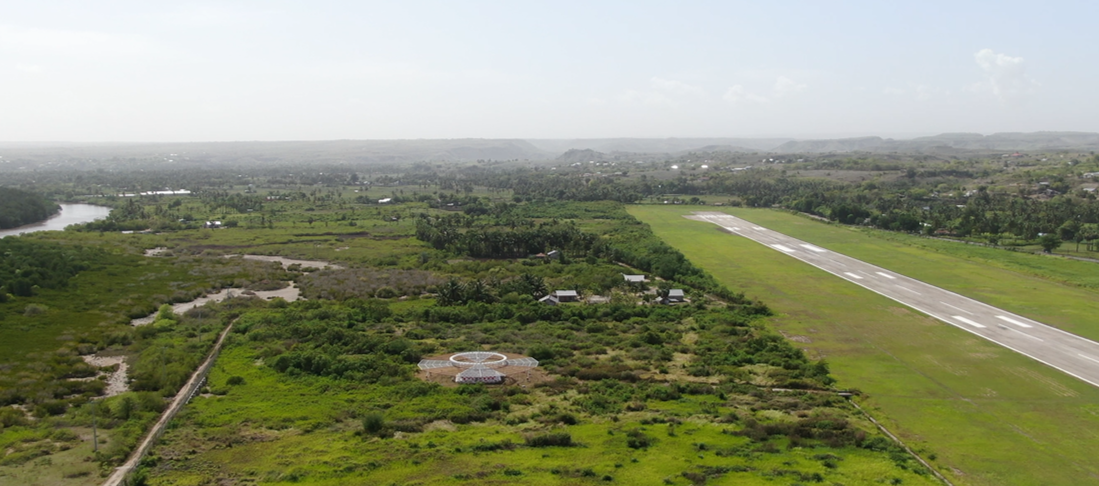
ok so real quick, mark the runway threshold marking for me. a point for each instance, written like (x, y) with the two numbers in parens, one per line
(958, 308)
(967, 321)
(1013, 321)
(1088, 357)
(886, 275)
(813, 248)
(849, 274)
(783, 248)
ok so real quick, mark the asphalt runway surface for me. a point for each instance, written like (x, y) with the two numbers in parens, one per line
(1066, 352)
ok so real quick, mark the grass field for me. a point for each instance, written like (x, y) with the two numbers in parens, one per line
(991, 416)
(266, 431)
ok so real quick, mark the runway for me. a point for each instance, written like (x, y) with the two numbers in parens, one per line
(1072, 354)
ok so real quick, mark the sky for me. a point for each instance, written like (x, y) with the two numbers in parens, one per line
(321, 70)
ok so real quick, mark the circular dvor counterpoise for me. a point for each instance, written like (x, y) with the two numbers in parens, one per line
(486, 359)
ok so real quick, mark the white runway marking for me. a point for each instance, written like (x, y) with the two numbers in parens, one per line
(910, 290)
(849, 274)
(886, 275)
(736, 229)
(1089, 357)
(1023, 333)
(958, 308)
(1013, 321)
(757, 228)
(783, 248)
(967, 321)
(813, 248)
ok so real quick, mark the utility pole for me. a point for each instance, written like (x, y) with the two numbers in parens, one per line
(95, 435)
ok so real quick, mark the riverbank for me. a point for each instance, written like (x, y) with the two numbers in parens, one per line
(70, 214)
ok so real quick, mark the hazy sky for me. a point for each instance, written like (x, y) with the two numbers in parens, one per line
(271, 70)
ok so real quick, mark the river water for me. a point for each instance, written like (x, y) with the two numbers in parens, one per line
(70, 214)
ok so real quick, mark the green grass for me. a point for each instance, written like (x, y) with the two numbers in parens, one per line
(1027, 284)
(280, 430)
(991, 416)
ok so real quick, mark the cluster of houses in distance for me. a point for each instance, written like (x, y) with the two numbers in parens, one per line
(558, 296)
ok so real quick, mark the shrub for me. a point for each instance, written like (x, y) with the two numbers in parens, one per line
(636, 439)
(373, 423)
(550, 439)
(34, 309)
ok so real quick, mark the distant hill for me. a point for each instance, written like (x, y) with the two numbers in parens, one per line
(723, 148)
(580, 155)
(655, 145)
(368, 153)
(245, 154)
(951, 142)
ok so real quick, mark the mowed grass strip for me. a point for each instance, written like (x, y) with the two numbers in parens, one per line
(1027, 284)
(991, 416)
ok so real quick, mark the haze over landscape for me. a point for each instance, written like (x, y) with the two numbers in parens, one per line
(581, 243)
(223, 71)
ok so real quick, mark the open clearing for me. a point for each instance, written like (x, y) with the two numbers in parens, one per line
(991, 415)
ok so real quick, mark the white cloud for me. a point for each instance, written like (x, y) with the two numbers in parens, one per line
(678, 88)
(736, 94)
(919, 92)
(924, 92)
(1005, 76)
(648, 98)
(28, 68)
(663, 92)
(785, 86)
(71, 42)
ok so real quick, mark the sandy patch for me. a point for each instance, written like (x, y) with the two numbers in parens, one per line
(290, 294)
(152, 252)
(116, 381)
(286, 262)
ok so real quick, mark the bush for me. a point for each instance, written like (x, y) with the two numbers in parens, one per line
(235, 381)
(550, 439)
(34, 310)
(373, 423)
(636, 439)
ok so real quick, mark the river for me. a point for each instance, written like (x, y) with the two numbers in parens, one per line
(70, 214)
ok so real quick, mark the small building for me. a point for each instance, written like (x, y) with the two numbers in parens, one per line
(566, 295)
(549, 299)
(675, 295)
(553, 255)
(479, 374)
(638, 279)
(212, 224)
(385, 200)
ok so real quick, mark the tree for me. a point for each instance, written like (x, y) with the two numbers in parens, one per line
(1049, 242)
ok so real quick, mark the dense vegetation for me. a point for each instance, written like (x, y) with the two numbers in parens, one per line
(28, 265)
(19, 207)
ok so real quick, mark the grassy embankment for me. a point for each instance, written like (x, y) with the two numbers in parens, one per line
(993, 417)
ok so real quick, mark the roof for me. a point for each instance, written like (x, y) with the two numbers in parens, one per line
(634, 278)
(565, 293)
(480, 372)
(675, 293)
